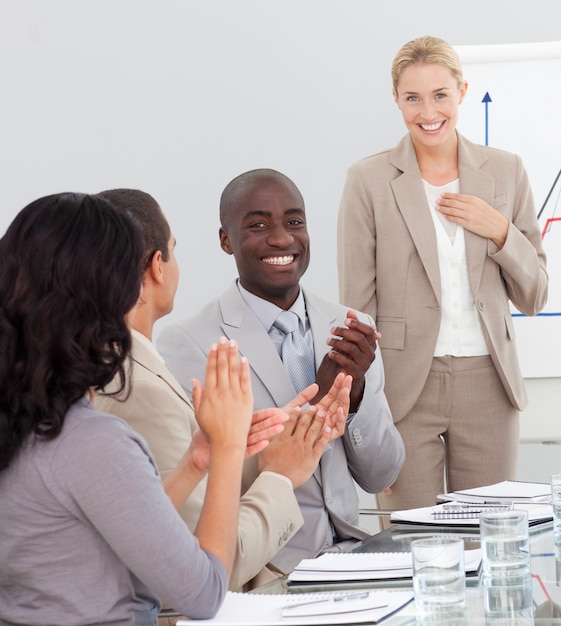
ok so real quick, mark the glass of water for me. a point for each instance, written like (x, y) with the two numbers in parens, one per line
(556, 503)
(438, 574)
(505, 543)
(508, 600)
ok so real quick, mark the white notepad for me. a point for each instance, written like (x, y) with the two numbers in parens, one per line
(320, 609)
(510, 490)
(356, 566)
(433, 515)
(338, 566)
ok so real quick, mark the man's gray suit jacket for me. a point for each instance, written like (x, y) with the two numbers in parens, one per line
(371, 451)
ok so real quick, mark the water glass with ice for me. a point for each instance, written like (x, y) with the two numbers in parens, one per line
(505, 543)
(438, 574)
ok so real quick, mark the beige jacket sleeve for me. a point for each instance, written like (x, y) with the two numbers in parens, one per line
(160, 412)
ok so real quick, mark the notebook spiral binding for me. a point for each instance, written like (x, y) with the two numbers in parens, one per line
(462, 511)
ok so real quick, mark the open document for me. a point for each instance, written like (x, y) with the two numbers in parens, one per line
(369, 566)
(505, 491)
(467, 513)
(364, 607)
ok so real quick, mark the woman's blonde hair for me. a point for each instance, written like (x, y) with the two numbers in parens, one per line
(426, 50)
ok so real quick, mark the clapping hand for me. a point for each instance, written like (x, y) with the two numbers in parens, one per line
(335, 403)
(353, 350)
(227, 393)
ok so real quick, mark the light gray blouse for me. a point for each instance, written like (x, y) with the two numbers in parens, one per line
(88, 536)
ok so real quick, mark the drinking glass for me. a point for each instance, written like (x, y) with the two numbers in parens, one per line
(438, 574)
(505, 543)
(556, 503)
(508, 601)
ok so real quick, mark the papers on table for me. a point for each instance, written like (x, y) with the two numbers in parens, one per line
(508, 490)
(337, 566)
(364, 607)
(462, 508)
(364, 566)
(440, 515)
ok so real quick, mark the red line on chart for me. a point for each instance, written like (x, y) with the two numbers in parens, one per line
(539, 581)
(548, 223)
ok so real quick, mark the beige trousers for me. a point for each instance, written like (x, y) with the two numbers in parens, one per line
(462, 433)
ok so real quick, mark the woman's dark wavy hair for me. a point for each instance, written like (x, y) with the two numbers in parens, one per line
(70, 270)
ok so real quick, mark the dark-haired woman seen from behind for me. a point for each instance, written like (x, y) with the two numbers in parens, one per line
(87, 533)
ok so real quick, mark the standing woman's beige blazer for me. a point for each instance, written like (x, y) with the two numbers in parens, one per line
(388, 265)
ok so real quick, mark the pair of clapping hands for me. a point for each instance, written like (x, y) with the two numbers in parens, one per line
(224, 411)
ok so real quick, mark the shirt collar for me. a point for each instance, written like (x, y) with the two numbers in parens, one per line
(267, 312)
(147, 344)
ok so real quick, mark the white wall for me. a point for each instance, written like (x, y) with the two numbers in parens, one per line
(176, 97)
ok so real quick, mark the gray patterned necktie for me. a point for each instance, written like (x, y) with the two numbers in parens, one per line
(299, 362)
(295, 353)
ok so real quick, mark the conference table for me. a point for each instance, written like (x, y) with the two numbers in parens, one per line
(532, 599)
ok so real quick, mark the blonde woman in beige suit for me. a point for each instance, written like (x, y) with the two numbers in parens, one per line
(435, 237)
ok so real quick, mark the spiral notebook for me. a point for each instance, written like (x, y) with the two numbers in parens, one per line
(464, 510)
(467, 515)
(508, 490)
(321, 609)
(365, 566)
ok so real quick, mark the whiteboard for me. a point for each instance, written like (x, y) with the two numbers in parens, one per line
(523, 116)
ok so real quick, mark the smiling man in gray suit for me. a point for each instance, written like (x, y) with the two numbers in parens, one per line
(158, 408)
(263, 225)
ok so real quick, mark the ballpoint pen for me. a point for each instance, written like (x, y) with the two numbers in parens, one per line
(349, 596)
(473, 505)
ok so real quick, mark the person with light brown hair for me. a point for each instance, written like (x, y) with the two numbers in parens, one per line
(435, 237)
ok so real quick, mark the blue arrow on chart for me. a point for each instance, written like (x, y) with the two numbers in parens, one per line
(486, 100)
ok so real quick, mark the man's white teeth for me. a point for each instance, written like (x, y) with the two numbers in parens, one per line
(279, 260)
(431, 126)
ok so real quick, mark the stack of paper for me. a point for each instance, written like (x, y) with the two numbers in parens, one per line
(462, 508)
(466, 514)
(364, 566)
(508, 490)
(248, 609)
(337, 566)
